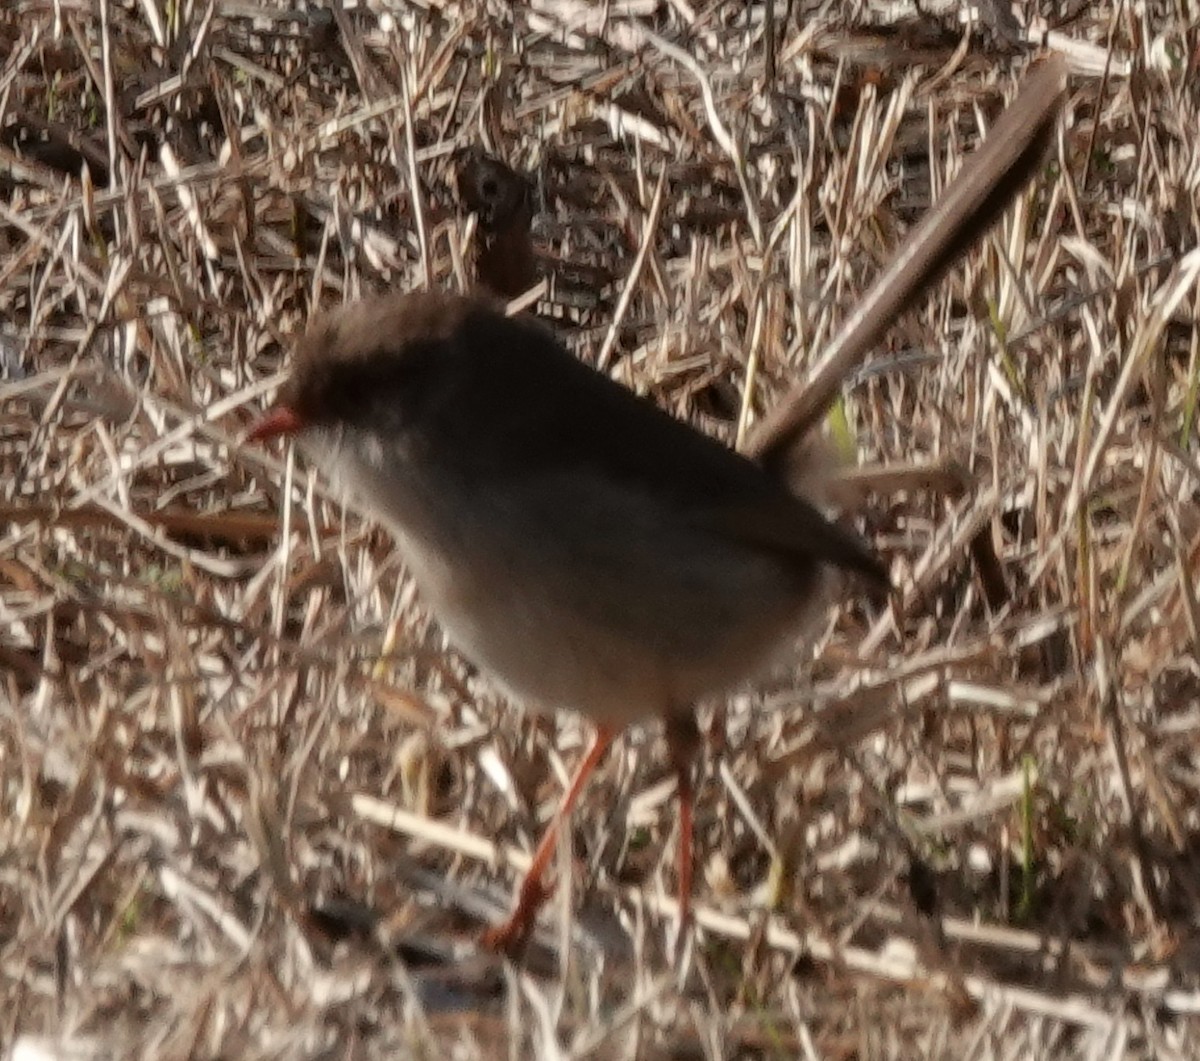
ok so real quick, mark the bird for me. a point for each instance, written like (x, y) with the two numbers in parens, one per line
(502, 201)
(584, 547)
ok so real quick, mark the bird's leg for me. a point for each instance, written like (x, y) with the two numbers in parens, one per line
(683, 742)
(510, 936)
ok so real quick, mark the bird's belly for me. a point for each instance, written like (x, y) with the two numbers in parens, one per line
(593, 604)
(550, 653)
(614, 647)
(543, 656)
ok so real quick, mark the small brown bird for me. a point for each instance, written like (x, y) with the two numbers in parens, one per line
(502, 200)
(586, 548)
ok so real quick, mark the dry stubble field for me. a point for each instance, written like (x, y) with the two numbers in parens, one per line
(252, 808)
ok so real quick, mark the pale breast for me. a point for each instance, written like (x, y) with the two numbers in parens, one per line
(574, 593)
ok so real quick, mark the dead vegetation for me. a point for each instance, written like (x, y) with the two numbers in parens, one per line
(963, 828)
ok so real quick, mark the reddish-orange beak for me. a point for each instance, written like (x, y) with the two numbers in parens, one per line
(277, 421)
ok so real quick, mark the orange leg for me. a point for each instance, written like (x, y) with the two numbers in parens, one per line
(686, 799)
(683, 741)
(510, 936)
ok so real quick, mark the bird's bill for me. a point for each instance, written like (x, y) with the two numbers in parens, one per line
(277, 421)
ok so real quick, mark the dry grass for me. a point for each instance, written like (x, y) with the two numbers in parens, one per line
(955, 831)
